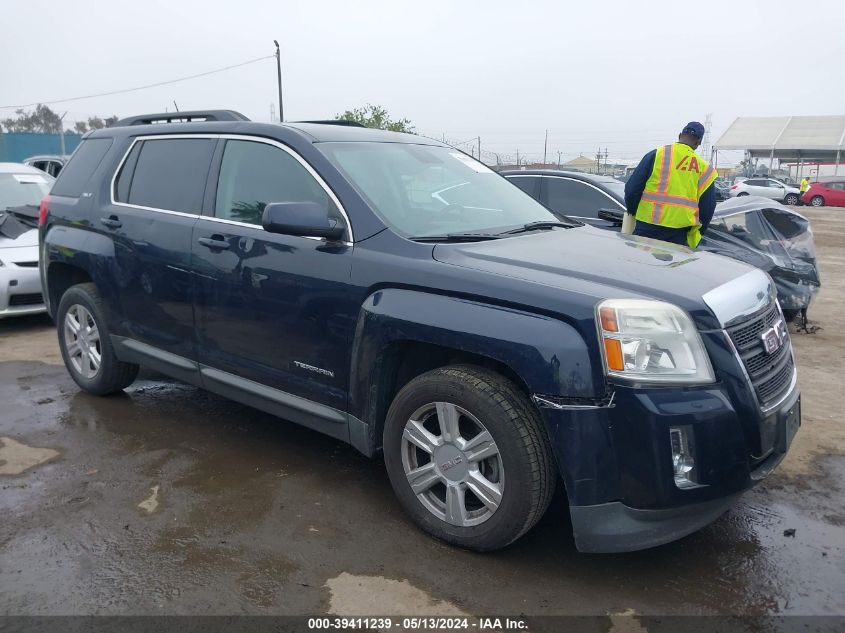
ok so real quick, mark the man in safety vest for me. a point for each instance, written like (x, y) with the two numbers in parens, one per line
(671, 191)
(805, 184)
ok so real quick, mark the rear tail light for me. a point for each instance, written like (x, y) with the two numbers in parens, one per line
(42, 211)
(733, 187)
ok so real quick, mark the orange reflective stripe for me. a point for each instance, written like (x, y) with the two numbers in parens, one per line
(665, 168)
(666, 198)
(705, 176)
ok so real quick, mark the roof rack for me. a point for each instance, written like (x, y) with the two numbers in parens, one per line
(343, 122)
(182, 117)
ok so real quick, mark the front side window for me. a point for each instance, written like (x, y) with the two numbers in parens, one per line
(424, 190)
(254, 174)
(575, 198)
(169, 174)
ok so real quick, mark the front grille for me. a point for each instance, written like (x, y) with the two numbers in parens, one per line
(771, 374)
(32, 298)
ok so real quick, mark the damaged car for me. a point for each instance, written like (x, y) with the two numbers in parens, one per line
(21, 190)
(755, 230)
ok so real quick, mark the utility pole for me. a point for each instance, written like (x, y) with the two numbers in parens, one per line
(272, 113)
(279, 76)
(62, 132)
(479, 148)
(558, 159)
(517, 158)
(605, 161)
(545, 147)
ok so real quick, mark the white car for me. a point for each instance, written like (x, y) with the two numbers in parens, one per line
(768, 188)
(21, 190)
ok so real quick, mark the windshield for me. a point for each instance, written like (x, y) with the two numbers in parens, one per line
(17, 190)
(423, 190)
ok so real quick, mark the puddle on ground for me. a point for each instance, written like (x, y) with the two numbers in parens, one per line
(368, 595)
(15, 457)
(150, 504)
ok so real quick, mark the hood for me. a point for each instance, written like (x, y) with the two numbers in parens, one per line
(29, 238)
(600, 263)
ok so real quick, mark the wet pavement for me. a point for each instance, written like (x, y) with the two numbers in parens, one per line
(170, 500)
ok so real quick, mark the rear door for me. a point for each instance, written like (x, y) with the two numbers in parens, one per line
(156, 199)
(271, 309)
(835, 194)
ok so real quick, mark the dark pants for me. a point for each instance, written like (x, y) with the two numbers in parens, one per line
(665, 233)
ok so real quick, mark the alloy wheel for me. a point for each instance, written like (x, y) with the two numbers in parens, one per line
(82, 341)
(452, 464)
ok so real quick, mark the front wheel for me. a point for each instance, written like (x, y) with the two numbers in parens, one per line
(791, 198)
(82, 324)
(742, 193)
(817, 201)
(468, 457)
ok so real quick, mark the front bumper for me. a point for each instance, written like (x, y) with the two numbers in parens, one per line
(20, 291)
(616, 462)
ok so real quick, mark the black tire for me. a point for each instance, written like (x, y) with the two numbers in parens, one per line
(742, 193)
(112, 375)
(817, 201)
(518, 432)
(791, 198)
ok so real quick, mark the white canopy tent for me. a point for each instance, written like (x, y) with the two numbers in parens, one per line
(801, 139)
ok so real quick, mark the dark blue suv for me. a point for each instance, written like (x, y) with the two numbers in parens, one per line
(396, 294)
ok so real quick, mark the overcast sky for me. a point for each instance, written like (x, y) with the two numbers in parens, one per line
(619, 74)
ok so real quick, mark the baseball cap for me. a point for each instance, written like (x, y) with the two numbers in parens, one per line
(694, 128)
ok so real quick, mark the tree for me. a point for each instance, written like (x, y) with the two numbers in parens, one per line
(376, 117)
(42, 120)
(46, 121)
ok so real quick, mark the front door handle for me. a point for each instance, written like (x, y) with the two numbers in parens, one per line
(214, 242)
(111, 222)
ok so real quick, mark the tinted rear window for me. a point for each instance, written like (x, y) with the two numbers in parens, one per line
(83, 163)
(171, 173)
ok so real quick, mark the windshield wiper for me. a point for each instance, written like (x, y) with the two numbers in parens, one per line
(457, 237)
(539, 226)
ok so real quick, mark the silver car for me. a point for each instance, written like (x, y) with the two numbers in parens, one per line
(21, 190)
(767, 188)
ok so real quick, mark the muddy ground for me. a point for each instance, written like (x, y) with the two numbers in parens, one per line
(170, 500)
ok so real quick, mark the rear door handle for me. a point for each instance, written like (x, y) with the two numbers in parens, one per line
(214, 242)
(112, 222)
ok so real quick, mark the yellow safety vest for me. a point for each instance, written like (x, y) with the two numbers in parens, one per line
(670, 198)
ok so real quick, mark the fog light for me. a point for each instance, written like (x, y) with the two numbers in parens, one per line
(683, 456)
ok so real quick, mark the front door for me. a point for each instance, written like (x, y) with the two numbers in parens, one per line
(272, 309)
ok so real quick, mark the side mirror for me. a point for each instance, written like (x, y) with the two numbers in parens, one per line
(303, 219)
(611, 215)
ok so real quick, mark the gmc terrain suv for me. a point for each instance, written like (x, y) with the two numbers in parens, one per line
(394, 293)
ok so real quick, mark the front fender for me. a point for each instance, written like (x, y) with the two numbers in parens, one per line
(548, 355)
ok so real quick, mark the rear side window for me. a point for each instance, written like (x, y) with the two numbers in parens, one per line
(84, 162)
(168, 174)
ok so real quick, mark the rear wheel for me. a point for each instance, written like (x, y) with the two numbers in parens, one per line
(82, 324)
(791, 198)
(468, 457)
(817, 201)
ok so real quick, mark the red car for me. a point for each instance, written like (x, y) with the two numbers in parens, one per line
(831, 194)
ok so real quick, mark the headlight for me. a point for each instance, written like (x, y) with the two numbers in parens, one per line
(651, 341)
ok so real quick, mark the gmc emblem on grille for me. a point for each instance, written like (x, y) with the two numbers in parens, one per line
(774, 337)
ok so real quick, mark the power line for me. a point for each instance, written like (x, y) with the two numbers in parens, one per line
(155, 85)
